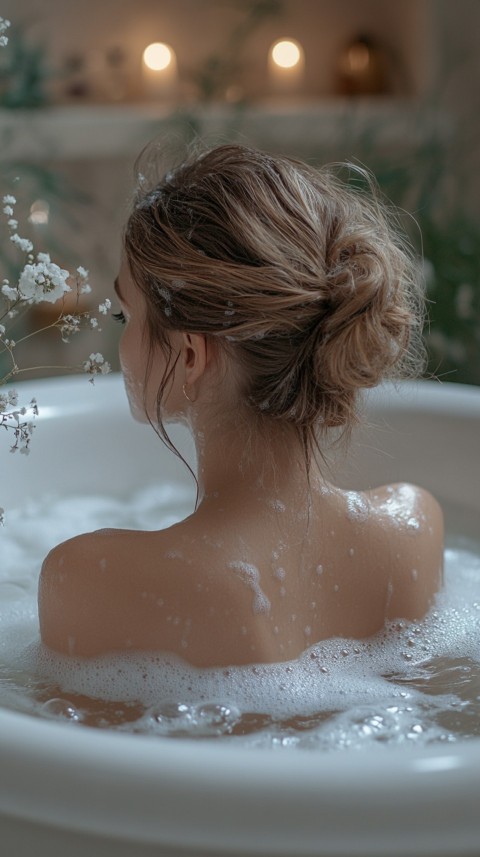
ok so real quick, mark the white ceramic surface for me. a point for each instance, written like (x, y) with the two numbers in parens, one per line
(75, 791)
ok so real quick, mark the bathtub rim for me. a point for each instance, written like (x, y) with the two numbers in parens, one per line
(152, 777)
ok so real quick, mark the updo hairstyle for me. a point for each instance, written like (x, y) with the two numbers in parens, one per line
(301, 278)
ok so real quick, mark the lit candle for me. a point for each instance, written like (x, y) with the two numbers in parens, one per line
(286, 65)
(159, 71)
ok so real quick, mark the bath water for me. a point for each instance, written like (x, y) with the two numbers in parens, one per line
(411, 684)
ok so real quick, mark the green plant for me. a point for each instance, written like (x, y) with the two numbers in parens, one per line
(24, 73)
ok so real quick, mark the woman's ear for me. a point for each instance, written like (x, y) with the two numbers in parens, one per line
(197, 355)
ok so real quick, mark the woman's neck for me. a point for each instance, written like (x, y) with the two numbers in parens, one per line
(236, 459)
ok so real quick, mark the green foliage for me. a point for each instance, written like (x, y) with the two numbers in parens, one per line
(23, 73)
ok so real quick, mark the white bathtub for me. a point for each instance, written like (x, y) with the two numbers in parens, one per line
(67, 790)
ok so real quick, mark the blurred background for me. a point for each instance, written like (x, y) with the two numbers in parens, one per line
(391, 85)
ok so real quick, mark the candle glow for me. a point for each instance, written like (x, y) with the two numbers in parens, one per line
(157, 56)
(286, 53)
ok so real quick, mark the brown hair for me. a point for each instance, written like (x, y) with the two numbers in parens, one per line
(302, 278)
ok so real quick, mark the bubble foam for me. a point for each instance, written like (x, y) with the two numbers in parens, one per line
(413, 683)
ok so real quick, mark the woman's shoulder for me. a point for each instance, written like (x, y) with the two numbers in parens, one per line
(408, 534)
(115, 590)
(405, 508)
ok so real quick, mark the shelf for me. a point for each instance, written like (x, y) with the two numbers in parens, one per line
(109, 131)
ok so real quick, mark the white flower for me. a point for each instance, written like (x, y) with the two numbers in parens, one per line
(86, 289)
(23, 243)
(93, 322)
(9, 293)
(70, 325)
(2, 329)
(43, 281)
(8, 210)
(96, 364)
(8, 199)
(103, 308)
(82, 272)
(4, 25)
(44, 257)
(13, 224)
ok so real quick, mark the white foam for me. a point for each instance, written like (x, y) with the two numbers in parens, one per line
(413, 682)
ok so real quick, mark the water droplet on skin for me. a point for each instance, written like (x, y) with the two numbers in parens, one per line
(357, 507)
(277, 505)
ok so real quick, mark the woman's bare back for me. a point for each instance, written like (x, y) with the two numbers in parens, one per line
(250, 583)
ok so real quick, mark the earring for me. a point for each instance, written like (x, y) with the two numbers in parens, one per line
(186, 395)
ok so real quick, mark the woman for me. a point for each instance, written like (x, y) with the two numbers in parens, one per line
(259, 298)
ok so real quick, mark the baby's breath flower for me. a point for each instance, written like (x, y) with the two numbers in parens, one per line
(10, 293)
(96, 365)
(13, 420)
(69, 325)
(85, 289)
(43, 281)
(23, 243)
(13, 224)
(103, 308)
(4, 25)
(8, 199)
(8, 210)
(94, 322)
(82, 272)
